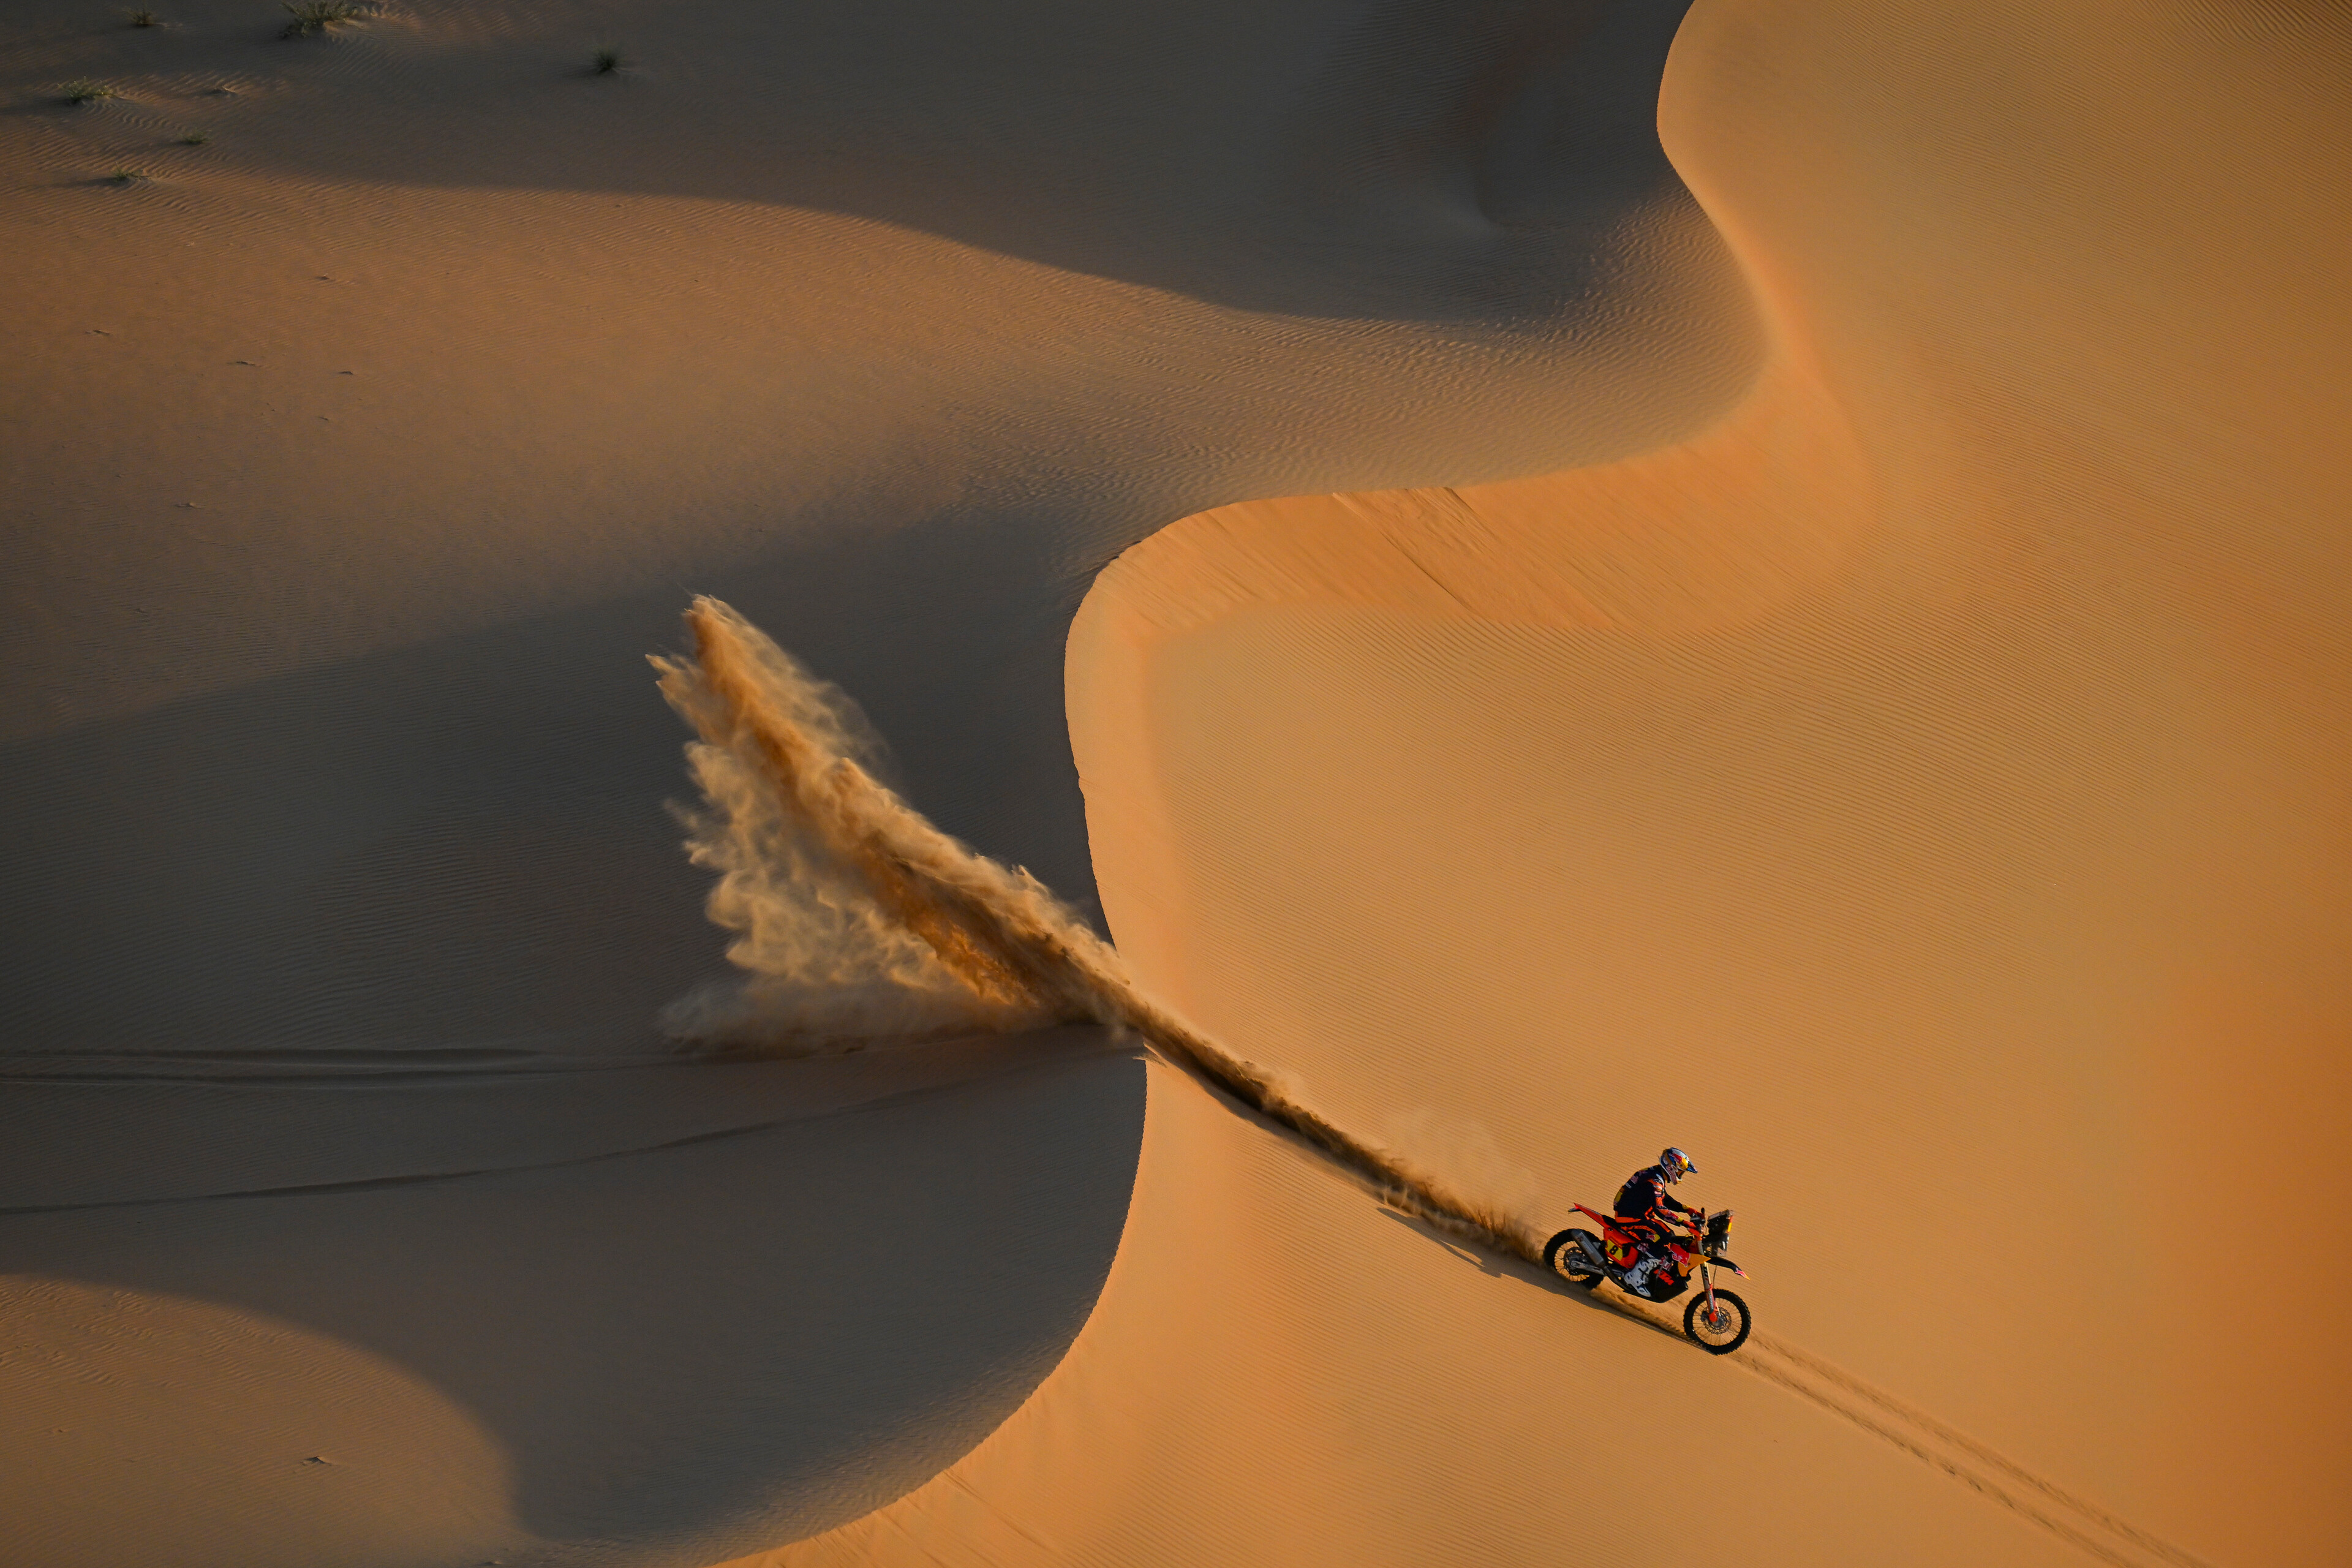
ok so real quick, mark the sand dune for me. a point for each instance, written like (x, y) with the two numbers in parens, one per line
(1808, 621)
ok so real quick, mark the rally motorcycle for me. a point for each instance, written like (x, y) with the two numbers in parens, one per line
(1716, 1321)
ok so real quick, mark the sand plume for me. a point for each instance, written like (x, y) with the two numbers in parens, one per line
(858, 918)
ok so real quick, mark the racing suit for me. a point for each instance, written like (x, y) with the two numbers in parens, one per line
(1640, 1205)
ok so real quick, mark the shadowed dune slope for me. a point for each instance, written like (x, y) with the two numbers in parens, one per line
(660, 1320)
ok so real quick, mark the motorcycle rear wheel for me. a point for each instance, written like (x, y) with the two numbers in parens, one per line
(1565, 1258)
(1723, 1336)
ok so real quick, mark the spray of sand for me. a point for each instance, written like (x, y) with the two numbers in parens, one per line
(857, 917)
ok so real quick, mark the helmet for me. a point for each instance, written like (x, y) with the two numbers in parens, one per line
(1675, 1165)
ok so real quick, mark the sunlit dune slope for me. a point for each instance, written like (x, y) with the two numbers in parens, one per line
(1924, 796)
(1280, 1371)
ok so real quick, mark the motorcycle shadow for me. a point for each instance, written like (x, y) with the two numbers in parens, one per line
(1598, 1298)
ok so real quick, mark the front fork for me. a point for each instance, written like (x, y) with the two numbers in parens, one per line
(1705, 1271)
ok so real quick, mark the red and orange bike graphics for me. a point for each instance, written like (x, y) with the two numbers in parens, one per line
(1687, 1246)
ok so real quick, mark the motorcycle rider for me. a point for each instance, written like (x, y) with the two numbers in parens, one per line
(1641, 1205)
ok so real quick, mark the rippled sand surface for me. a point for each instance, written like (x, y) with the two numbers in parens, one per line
(1806, 621)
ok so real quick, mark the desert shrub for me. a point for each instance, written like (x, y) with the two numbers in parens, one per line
(315, 16)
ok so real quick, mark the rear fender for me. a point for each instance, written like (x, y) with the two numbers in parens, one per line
(1609, 1226)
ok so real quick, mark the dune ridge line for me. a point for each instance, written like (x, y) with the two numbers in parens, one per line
(773, 754)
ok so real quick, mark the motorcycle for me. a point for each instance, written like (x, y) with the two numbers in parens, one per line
(1716, 1321)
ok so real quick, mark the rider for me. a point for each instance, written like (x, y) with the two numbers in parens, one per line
(1643, 1203)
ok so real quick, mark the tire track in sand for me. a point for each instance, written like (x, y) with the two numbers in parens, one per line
(1988, 1472)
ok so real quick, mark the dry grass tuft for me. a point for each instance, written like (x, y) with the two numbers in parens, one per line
(316, 16)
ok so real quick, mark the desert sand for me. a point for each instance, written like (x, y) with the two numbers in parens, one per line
(1802, 613)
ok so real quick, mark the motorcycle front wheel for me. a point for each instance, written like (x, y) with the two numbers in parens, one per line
(1726, 1331)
